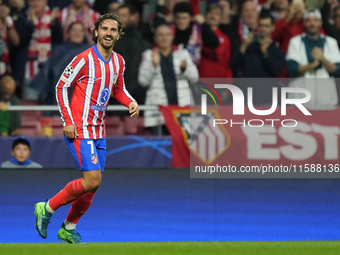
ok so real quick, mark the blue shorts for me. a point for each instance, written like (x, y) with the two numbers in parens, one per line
(89, 154)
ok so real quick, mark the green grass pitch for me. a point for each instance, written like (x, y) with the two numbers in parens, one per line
(175, 248)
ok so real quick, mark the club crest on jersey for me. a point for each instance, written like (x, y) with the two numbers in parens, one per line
(68, 71)
(94, 159)
(104, 96)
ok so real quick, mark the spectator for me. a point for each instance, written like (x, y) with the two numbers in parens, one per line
(292, 25)
(331, 26)
(106, 6)
(113, 7)
(9, 35)
(229, 24)
(278, 8)
(186, 31)
(21, 151)
(79, 11)
(164, 14)
(10, 121)
(166, 73)
(61, 56)
(258, 56)
(131, 46)
(249, 19)
(216, 46)
(313, 55)
(38, 30)
(258, 3)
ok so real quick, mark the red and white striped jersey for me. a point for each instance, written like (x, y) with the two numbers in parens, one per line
(94, 80)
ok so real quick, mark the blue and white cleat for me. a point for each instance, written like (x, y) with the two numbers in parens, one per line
(70, 236)
(43, 218)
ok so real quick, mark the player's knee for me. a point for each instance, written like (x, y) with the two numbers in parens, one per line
(93, 182)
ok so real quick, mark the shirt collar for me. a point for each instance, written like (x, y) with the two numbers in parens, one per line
(27, 162)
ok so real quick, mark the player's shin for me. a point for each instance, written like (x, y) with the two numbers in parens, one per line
(78, 209)
(71, 192)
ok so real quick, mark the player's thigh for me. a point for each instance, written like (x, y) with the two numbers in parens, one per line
(101, 151)
(84, 153)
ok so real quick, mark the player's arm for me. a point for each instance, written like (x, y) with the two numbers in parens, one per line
(122, 95)
(68, 78)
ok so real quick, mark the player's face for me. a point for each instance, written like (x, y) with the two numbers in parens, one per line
(107, 33)
(21, 153)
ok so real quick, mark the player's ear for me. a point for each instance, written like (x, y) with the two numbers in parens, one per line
(96, 33)
(118, 37)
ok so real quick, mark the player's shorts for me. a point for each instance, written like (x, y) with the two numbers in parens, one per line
(89, 154)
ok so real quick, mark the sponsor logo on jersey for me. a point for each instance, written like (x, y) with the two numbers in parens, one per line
(98, 108)
(104, 96)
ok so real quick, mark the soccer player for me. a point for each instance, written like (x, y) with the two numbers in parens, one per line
(95, 74)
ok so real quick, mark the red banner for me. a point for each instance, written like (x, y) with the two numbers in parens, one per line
(219, 137)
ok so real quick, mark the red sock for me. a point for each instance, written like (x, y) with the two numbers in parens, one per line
(71, 192)
(79, 207)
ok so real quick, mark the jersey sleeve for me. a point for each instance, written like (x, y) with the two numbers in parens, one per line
(120, 93)
(69, 77)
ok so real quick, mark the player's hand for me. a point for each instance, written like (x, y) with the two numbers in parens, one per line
(70, 131)
(134, 110)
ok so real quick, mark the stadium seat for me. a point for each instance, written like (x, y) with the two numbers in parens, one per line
(30, 126)
(133, 127)
(57, 126)
(114, 126)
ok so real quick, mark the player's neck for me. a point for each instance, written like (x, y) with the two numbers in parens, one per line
(106, 54)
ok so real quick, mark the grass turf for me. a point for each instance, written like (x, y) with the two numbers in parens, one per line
(175, 248)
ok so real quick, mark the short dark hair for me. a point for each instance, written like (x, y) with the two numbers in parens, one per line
(75, 23)
(21, 140)
(131, 8)
(267, 15)
(214, 6)
(101, 19)
(183, 7)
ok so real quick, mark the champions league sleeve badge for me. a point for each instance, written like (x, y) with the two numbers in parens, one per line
(68, 71)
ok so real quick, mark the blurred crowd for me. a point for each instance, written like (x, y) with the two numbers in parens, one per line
(167, 44)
